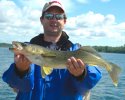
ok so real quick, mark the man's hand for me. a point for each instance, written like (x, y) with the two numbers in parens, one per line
(22, 63)
(75, 66)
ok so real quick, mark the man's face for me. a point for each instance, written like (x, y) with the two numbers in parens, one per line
(53, 21)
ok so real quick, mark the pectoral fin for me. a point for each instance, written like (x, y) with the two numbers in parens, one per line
(46, 71)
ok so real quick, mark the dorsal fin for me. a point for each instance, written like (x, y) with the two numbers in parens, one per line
(90, 50)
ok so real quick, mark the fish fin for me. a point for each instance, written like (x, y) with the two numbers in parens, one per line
(46, 71)
(43, 73)
(114, 73)
(90, 50)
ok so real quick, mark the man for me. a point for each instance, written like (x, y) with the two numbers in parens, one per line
(62, 84)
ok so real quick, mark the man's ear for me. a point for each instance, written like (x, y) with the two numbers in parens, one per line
(64, 21)
(41, 19)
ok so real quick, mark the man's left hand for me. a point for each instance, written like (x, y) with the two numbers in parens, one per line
(75, 66)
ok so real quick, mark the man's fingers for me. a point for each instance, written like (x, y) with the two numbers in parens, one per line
(75, 63)
(21, 58)
(16, 58)
(75, 66)
(81, 64)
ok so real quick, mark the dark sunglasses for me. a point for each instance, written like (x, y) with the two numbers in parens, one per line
(51, 16)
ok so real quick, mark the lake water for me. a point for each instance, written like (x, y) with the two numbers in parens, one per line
(104, 90)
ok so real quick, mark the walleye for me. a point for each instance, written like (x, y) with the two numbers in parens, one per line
(49, 59)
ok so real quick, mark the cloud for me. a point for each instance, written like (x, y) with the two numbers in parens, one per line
(95, 26)
(20, 21)
(17, 23)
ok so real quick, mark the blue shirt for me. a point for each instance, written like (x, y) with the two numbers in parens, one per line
(59, 85)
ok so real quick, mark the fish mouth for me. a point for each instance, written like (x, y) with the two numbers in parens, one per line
(16, 46)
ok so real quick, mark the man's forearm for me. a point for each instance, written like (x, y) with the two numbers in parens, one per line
(26, 83)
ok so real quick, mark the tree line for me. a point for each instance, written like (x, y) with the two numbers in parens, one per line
(109, 49)
(5, 45)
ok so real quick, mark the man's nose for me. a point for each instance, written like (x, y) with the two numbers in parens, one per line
(54, 19)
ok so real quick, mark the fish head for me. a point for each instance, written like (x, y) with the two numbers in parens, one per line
(27, 48)
(30, 51)
(18, 47)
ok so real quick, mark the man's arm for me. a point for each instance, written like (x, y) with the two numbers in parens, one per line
(25, 83)
(20, 74)
(84, 77)
(87, 79)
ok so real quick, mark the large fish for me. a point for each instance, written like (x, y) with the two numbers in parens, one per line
(49, 59)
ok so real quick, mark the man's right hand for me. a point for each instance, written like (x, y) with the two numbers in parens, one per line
(22, 63)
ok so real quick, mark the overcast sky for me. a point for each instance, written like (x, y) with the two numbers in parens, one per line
(90, 22)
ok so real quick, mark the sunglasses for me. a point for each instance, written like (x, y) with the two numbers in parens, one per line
(51, 16)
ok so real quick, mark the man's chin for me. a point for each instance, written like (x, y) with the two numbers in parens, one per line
(53, 33)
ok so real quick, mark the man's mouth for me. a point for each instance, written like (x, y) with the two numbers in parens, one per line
(54, 25)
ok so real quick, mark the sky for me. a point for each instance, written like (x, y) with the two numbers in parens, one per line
(90, 22)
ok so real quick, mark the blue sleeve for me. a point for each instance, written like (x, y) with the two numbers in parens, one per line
(25, 83)
(89, 81)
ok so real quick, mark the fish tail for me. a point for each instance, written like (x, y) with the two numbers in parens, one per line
(114, 73)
